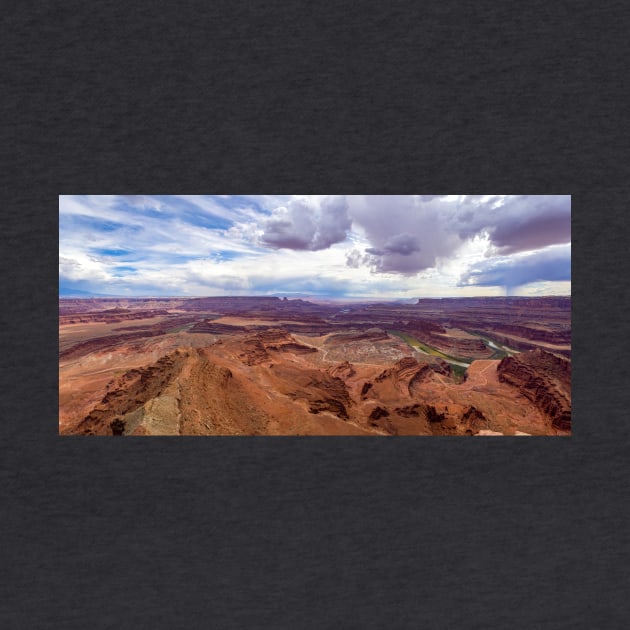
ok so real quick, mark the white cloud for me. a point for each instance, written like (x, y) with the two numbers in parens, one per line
(307, 224)
(407, 233)
(373, 246)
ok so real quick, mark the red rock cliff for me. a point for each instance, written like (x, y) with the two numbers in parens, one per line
(543, 378)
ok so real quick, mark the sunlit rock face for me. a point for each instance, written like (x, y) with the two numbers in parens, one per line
(267, 366)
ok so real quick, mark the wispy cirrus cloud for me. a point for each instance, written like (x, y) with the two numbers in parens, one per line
(351, 245)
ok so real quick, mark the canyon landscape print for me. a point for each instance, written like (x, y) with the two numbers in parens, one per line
(427, 315)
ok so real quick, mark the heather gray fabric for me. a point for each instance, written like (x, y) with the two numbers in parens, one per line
(242, 97)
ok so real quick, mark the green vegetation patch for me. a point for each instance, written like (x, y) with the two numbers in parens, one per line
(459, 371)
(499, 352)
(415, 343)
(180, 328)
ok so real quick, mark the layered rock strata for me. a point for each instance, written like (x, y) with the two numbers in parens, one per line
(544, 379)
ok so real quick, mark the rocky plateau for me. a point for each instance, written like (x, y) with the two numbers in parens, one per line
(273, 366)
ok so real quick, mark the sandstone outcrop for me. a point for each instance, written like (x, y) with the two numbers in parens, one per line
(317, 389)
(418, 418)
(329, 404)
(111, 316)
(271, 366)
(543, 378)
(370, 335)
(99, 343)
(408, 373)
(411, 411)
(533, 332)
(473, 420)
(130, 392)
(182, 393)
(461, 347)
(378, 412)
(258, 346)
(344, 370)
(210, 327)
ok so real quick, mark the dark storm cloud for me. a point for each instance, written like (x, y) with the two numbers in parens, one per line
(304, 226)
(531, 234)
(551, 264)
(403, 244)
(521, 223)
(296, 232)
(410, 233)
(407, 233)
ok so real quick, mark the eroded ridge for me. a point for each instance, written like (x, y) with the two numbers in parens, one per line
(271, 366)
(544, 379)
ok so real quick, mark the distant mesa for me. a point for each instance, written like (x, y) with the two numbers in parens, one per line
(554, 301)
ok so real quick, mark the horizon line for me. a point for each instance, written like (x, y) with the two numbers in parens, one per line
(304, 297)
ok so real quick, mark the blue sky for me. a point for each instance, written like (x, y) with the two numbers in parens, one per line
(354, 246)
